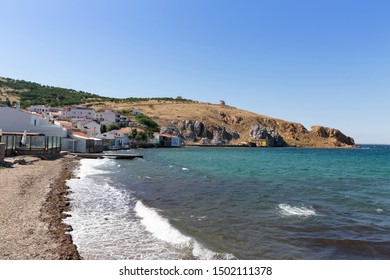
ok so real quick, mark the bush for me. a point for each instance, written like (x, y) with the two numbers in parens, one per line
(145, 120)
(113, 126)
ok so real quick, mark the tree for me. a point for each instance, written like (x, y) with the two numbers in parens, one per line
(141, 136)
(133, 134)
(113, 126)
(103, 128)
(145, 120)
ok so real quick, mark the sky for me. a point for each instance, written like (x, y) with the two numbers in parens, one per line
(313, 62)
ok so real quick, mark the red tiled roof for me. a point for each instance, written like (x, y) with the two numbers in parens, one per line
(165, 135)
(81, 134)
(125, 130)
(32, 113)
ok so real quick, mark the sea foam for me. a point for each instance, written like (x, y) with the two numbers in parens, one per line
(163, 230)
(159, 226)
(288, 210)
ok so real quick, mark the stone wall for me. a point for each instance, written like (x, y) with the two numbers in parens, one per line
(2, 152)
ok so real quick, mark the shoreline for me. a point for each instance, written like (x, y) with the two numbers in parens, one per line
(32, 205)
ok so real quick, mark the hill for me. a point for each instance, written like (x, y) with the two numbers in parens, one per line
(30, 93)
(196, 122)
(204, 123)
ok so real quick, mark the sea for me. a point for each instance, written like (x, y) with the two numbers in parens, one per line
(234, 203)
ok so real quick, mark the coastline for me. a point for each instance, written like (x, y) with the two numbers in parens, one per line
(32, 206)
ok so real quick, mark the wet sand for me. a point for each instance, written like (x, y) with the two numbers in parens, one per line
(33, 198)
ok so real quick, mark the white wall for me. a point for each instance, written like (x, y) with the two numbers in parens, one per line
(93, 125)
(78, 113)
(13, 120)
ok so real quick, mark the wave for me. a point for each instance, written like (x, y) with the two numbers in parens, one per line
(163, 230)
(159, 226)
(90, 167)
(288, 210)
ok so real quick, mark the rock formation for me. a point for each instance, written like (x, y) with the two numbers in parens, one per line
(261, 132)
(278, 133)
(198, 132)
(337, 135)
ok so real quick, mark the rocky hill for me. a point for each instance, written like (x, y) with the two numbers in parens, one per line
(204, 123)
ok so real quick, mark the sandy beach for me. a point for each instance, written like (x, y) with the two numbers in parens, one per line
(33, 197)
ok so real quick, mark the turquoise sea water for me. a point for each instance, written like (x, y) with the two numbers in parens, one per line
(244, 203)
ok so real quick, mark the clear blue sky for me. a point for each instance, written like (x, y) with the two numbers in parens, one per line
(315, 62)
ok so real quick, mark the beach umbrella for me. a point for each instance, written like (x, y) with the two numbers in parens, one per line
(24, 138)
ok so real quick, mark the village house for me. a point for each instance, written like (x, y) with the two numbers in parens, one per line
(40, 109)
(79, 142)
(99, 116)
(166, 140)
(18, 120)
(78, 113)
(63, 123)
(115, 138)
(88, 124)
(110, 116)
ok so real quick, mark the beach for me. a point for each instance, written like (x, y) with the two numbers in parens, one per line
(32, 204)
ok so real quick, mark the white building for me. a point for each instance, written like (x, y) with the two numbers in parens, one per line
(118, 138)
(14, 120)
(40, 109)
(63, 123)
(78, 113)
(99, 116)
(79, 142)
(166, 140)
(88, 124)
(111, 116)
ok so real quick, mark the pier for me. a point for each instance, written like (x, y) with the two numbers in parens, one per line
(116, 156)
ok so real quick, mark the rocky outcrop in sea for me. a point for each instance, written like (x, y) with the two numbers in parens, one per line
(326, 132)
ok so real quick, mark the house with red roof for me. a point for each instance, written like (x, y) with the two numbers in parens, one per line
(115, 138)
(80, 142)
(166, 140)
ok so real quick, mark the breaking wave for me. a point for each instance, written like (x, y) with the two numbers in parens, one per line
(288, 210)
(163, 230)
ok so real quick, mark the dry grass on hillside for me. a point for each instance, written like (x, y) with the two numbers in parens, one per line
(5, 93)
(233, 119)
(211, 114)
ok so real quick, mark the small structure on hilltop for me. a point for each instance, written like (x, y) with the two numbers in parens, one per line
(222, 102)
